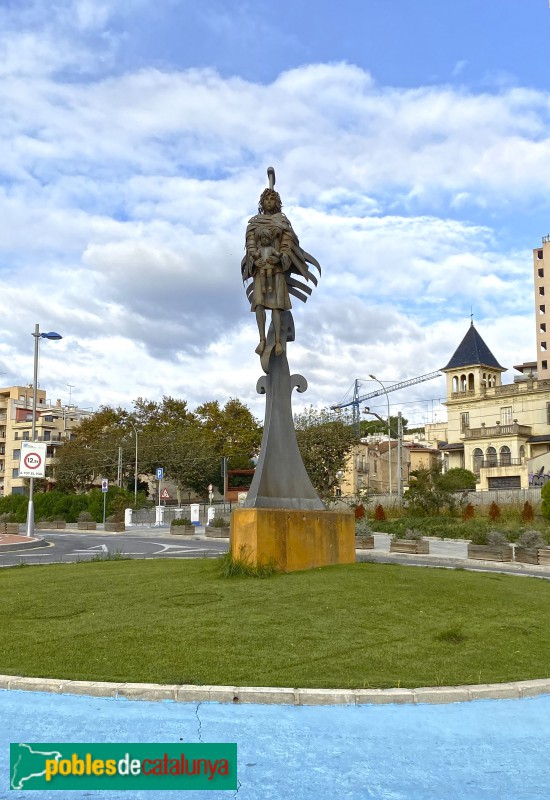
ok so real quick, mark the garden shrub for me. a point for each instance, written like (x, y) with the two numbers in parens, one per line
(219, 522)
(531, 540)
(496, 539)
(413, 534)
(469, 512)
(527, 515)
(184, 521)
(360, 511)
(379, 513)
(494, 512)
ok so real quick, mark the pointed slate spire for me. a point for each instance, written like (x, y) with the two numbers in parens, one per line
(472, 352)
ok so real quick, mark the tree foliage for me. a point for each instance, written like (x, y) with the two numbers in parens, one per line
(325, 442)
(188, 445)
(430, 490)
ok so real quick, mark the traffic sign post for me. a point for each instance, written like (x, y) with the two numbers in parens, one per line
(160, 476)
(32, 463)
(104, 489)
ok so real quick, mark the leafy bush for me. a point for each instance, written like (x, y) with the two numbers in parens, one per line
(379, 513)
(362, 527)
(359, 511)
(531, 540)
(219, 522)
(413, 534)
(496, 539)
(183, 521)
(469, 512)
(494, 512)
(85, 516)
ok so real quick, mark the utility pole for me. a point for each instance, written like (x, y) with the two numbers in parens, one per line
(119, 469)
(399, 456)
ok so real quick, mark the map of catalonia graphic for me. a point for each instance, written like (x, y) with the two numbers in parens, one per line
(29, 763)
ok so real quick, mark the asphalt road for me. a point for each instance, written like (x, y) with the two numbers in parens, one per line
(71, 547)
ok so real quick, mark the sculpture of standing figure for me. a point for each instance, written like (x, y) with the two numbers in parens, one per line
(273, 257)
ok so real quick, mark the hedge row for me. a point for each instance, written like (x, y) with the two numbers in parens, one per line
(61, 505)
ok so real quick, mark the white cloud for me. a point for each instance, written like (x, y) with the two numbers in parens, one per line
(125, 197)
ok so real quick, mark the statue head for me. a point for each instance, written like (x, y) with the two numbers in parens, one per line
(275, 199)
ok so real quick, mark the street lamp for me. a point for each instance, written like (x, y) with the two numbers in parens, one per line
(135, 466)
(37, 335)
(372, 377)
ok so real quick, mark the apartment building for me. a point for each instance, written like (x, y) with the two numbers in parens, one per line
(54, 425)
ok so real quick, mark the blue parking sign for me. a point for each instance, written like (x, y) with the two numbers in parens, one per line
(160, 473)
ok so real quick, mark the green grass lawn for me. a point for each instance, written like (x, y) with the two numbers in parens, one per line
(363, 625)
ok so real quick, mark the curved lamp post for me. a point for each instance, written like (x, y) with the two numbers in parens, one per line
(37, 336)
(389, 428)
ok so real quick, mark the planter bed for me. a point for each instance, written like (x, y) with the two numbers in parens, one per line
(526, 555)
(183, 530)
(488, 552)
(44, 525)
(217, 533)
(86, 526)
(416, 547)
(364, 542)
(9, 527)
(543, 554)
(115, 527)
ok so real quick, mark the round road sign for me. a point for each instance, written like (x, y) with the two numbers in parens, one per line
(32, 460)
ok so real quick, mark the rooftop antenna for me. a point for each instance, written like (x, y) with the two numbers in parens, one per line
(71, 387)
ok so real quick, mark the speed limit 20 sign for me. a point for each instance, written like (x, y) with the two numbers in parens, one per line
(32, 463)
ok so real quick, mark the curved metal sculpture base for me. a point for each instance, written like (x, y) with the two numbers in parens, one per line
(281, 480)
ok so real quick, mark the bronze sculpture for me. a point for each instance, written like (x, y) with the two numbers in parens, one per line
(275, 264)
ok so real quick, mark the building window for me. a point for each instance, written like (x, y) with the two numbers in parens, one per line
(542, 327)
(505, 456)
(544, 364)
(464, 421)
(542, 309)
(46, 436)
(539, 254)
(506, 415)
(492, 459)
(15, 473)
(477, 460)
(541, 272)
(16, 455)
(26, 436)
(541, 291)
(522, 452)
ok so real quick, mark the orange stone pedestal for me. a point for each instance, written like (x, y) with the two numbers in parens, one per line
(291, 538)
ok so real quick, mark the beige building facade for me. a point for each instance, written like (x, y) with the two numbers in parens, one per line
(498, 431)
(54, 425)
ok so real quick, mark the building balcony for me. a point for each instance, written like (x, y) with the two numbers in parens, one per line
(461, 395)
(490, 432)
(503, 461)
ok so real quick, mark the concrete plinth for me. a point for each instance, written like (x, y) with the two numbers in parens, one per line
(293, 539)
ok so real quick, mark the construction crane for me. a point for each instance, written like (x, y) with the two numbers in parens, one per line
(357, 399)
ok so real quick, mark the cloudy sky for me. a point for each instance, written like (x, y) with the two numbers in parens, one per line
(411, 142)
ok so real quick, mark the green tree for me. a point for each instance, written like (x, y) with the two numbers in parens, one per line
(457, 479)
(325, 441)
(424, 495)
(545, 496)
(371, 427)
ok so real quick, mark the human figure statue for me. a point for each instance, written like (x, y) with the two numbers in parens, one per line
(272, 260)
